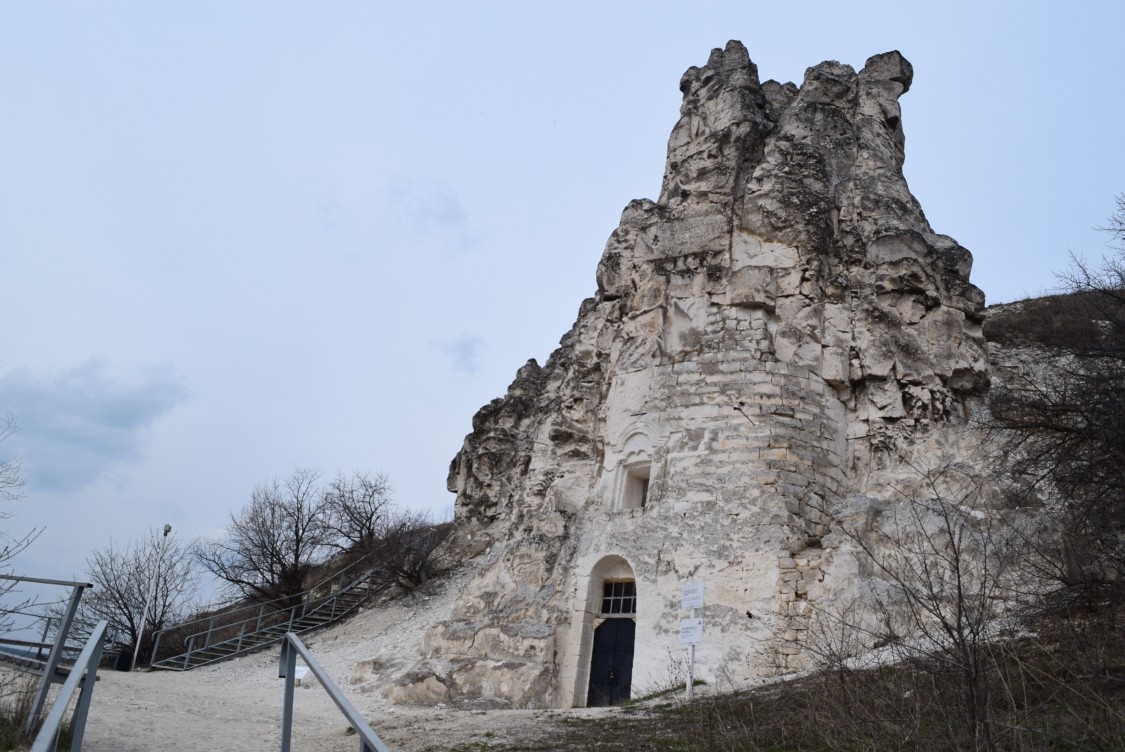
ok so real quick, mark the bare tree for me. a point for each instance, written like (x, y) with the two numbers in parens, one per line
(402, 544)
(11, 485)
(357, 507)
(123, 580)
(946, 572)
(273, 542)
(407, 547)
(1116, 226)
(1062, 424)
(11, 475)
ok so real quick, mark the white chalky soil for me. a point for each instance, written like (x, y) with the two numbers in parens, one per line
(236, 705)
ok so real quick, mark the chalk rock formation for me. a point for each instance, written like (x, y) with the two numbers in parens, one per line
(781, 331)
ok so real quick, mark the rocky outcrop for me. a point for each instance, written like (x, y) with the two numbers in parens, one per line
(781, 330)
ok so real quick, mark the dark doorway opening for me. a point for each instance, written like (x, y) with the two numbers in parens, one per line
(611, 662)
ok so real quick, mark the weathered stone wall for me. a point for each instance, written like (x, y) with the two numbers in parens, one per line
(780, 332)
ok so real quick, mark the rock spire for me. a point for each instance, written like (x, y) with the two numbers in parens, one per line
(780, 331)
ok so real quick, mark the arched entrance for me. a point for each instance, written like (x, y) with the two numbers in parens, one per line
(613, 607)
(611, 662)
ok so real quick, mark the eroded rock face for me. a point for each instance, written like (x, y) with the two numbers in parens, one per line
(780, 332)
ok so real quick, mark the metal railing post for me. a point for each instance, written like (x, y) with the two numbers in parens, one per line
(190, 650)
(53, 658)
(241, 632)
(291, 647)
(261, 613)
(156, 647)
(85, 672)
(82, 708)
(46, 628)
(287, 669)
(210, 628)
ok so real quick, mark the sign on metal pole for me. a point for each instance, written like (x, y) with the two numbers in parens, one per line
(691, 595)
(691, 631)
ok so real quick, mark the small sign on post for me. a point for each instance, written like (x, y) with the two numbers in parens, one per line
(691, 595)
(691, 630)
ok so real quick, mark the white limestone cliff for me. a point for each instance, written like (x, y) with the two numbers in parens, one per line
(779, 337)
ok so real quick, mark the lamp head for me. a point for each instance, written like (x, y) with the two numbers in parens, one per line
(167, 529)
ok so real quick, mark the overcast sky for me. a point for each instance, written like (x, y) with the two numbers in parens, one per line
(244, 237)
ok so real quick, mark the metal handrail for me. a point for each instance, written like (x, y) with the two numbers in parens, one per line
(369, 741)
(51, 664)
(87, 664)
(238, 632)
(39, 616)
(42, 581)
(260, 606)
(224, 640)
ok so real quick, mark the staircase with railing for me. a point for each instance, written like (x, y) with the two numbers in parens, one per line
(245, 630)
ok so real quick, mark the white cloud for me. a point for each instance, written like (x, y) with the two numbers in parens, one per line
(74, 425)
(430, 208)
(464, 352)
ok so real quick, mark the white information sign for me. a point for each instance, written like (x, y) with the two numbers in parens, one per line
(691, 631)
(692, 595)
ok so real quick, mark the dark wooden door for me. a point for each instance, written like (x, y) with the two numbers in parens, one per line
(611, 664)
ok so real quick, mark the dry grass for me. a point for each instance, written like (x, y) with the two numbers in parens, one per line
(17, 693)
(1061, 688)
(1054, 321)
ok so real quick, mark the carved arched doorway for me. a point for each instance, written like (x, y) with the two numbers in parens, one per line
(612, 604)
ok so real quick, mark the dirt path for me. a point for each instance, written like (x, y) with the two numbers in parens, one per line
(236, 705)
(201, 711)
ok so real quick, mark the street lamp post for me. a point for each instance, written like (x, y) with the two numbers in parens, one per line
(151, 595)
